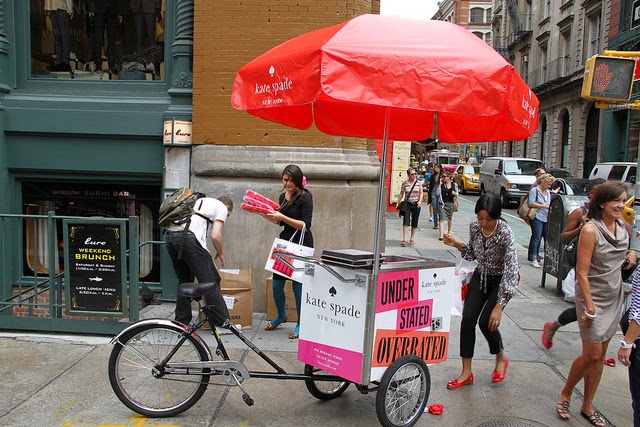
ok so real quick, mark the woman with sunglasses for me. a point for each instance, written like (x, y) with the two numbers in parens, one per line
(411, 191)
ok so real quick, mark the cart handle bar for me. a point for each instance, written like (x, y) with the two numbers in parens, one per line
(280, 256)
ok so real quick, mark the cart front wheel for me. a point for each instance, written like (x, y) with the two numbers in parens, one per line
(403, 392)
(324, 390)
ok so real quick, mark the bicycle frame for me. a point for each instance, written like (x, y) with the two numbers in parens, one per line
(217, 367)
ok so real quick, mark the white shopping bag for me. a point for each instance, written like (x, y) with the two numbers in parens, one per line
(462, 277)
(569, 286)
(288, 247)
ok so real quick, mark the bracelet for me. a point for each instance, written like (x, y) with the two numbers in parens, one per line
(589, 316)
(625, 345)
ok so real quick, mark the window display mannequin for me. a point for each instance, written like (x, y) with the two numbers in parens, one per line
(107, 14)
(60, 12)
(144, 16)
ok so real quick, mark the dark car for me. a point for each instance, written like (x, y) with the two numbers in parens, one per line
(559, 173)
(571, 186)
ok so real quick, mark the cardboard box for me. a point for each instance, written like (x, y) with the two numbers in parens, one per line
(272, 311)
(238, 294)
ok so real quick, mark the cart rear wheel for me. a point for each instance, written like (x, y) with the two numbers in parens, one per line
(403, 392)
(323, 390)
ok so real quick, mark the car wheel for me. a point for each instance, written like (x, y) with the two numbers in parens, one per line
(504, 199)
(462, 189)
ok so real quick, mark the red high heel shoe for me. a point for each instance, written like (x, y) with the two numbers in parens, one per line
(454, 384)
(498, 377)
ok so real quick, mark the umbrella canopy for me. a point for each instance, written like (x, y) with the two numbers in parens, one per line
(377, 73)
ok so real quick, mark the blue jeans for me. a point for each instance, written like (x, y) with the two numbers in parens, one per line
(435, 202)
(191, 260)
(538, 232)
(634, 383)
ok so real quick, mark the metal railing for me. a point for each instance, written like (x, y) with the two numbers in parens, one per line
(552, 72)
(33, 281)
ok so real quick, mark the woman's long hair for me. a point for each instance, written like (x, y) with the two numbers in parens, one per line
(294, 173)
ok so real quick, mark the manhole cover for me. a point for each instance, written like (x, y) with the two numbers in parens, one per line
(503, 422)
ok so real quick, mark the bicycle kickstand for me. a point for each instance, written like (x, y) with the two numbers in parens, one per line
(245, 396)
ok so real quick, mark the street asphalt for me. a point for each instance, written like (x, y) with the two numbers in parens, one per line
(62, 381)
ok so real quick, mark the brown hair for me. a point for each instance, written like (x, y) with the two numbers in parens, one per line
(602, 194)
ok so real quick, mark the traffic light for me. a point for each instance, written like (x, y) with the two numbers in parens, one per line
(608, 78)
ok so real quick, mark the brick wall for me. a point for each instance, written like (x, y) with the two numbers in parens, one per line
(614, 23)
(230, 33)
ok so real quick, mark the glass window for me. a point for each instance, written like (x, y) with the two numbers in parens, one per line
(617, 172)
(521, 167)
(97, 39)
(476, 15)
(85, 200)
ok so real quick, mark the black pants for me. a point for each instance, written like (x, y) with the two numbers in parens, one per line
(190, 261)
(478, 305)
(412, 215)
(568, 316)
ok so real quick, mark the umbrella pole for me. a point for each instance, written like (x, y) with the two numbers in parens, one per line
(372, 290)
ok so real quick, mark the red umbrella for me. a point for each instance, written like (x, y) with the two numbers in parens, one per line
(391, 78)
(348, 77)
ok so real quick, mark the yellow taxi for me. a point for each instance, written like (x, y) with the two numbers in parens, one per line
(467, 177)
(627, 212)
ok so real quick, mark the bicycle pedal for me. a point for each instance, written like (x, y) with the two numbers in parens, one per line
(247, 399)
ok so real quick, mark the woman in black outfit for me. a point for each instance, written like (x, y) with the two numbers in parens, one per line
(295, 214)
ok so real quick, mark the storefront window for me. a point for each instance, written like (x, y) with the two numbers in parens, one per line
(97, 39)
(87, 200)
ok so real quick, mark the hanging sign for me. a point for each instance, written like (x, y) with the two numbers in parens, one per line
(180, 133)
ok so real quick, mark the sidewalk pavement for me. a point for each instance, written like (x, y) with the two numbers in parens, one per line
(62, 380)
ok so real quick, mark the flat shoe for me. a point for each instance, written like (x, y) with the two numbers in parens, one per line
(411, 242)
(271, 327)
(564, 410)
(454, 384)
(404, 243)
(293, 336)
(546, 343)
(595, 419)
(498, 377)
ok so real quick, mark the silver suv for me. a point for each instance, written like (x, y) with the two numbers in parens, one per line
(508, 177)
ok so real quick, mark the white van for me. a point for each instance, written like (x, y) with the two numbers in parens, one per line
(508, 177)
(618, 171)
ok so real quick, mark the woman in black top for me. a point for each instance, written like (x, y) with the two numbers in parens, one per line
(434, 193)
(296, 211)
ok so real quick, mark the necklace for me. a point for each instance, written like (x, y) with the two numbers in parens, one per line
(490, 234)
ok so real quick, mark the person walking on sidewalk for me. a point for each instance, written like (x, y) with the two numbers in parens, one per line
(492, 245)
(434, 193)
(448, 194)
(540, 198)
(602, 247)
(576, 220)
(191, 258)
(411, 191)
(295, 214)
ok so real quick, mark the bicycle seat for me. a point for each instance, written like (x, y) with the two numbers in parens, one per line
(195, 290)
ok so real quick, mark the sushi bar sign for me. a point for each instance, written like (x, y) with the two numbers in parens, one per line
(177, 132)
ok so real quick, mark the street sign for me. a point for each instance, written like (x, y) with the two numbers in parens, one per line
(635, 16)
(608, 78)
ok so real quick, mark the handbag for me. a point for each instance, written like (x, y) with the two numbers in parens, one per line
(571, 250)
(282, 246)
(455, 198)
(403, 207)
(524, 211)
(462, 277)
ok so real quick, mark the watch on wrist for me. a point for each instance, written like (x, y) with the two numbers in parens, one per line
(623, 344)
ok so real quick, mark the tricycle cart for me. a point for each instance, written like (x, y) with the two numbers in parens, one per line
(161, 368)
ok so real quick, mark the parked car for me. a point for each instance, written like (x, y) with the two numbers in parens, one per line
(508, 177)
(571, 186)
(467, 177)
(620, 171)
(559, 173)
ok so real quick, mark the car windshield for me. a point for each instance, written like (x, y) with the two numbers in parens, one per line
(560, 173)
(470, 170)
(521, 167)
